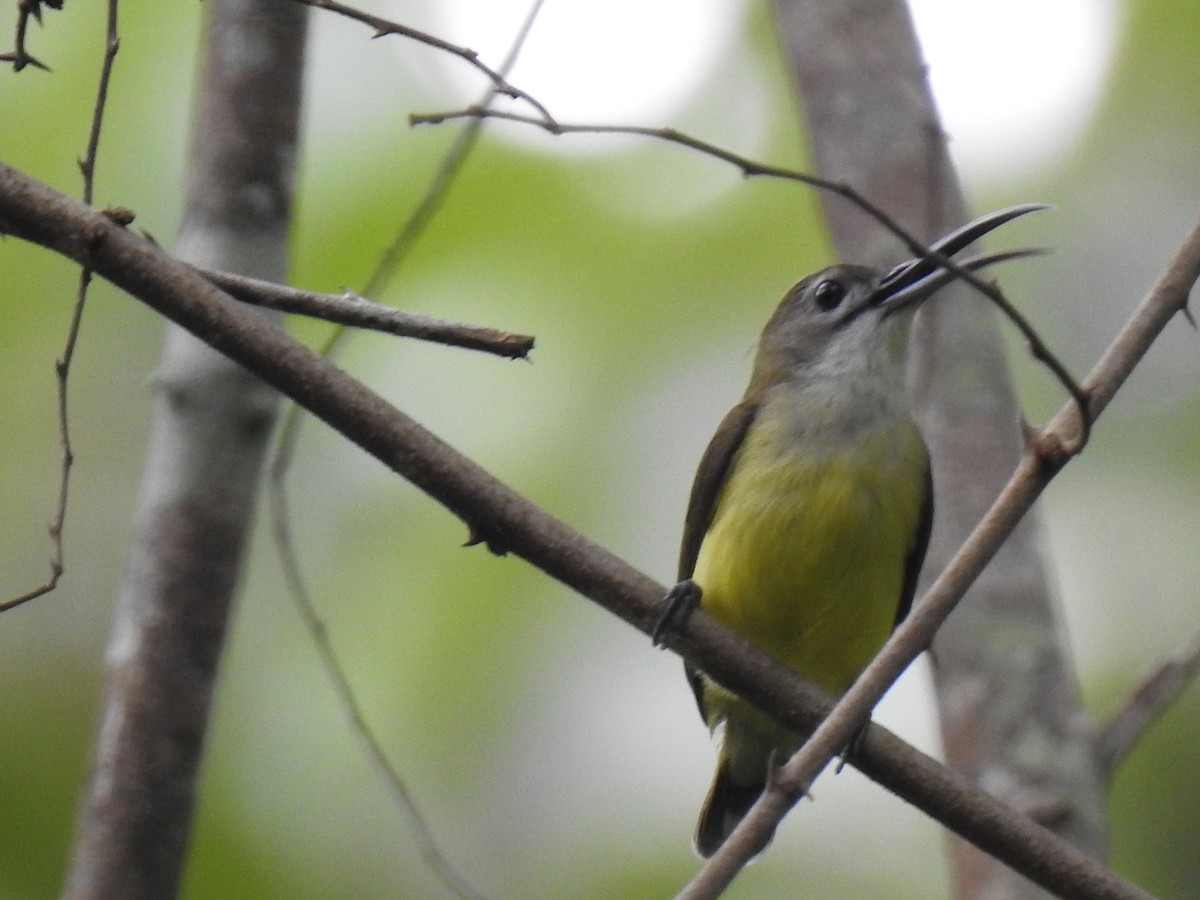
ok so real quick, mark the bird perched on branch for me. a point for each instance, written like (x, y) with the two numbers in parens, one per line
(811, 508)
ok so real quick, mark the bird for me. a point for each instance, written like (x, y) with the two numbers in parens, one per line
(811, 508)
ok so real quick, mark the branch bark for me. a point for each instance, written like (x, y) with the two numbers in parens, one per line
(211, 425)
(355, 311)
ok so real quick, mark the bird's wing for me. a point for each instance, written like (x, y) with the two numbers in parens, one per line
(710, 478)
(916, 553)
(706, 489)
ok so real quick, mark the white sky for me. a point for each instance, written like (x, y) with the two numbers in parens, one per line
(1017, 80)
(1003, 70)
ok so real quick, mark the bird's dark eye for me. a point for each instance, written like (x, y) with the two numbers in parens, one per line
(829, 294)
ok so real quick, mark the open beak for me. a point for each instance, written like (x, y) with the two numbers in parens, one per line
(918, 278)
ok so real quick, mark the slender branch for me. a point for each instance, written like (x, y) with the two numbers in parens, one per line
(751, 168)
(348, 700)
(386, 26)
(1145, 704)
(412, 228)
(112, 44)
(359, 312)
(35, 212)
(1046, 453)
(62, 366)
(447, 172)
(406, 238)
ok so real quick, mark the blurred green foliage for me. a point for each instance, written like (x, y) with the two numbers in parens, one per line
(553, 751)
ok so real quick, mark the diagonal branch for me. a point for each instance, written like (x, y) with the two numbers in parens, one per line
(339, 679)
(33, 211)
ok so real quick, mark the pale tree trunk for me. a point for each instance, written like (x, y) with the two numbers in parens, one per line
(1011, 714)
(210, 432)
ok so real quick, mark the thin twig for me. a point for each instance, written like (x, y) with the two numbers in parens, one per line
(386, 26)
(62, 366)
(1145, 704)
(350, 309)
(112, 45)
(335, 672)
(507, 345)
(752, 168)
(1045, 454)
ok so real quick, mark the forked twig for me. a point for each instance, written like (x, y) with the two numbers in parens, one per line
(62, 366)
(751, 168)
(386, 26)
(406, 237)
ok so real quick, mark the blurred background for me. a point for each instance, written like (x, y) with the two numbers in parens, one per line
(553, 751)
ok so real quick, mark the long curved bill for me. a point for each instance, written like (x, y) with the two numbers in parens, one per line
(918, 278)
(926, 287)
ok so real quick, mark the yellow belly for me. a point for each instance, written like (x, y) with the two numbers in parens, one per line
(806, 556)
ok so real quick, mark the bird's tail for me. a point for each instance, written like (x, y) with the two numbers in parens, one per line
(726, 804)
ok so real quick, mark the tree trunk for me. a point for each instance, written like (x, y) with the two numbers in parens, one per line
(211, 427)
(1011, 714)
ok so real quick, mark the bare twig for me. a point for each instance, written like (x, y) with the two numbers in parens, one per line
(752, 168)
(1147, 702)
(749, 168)
(33, 211)
(112, 44)
(352, 310)
(348, 700)
(508, 345)
(62, 366)
(386, 26)
(1046, 453)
